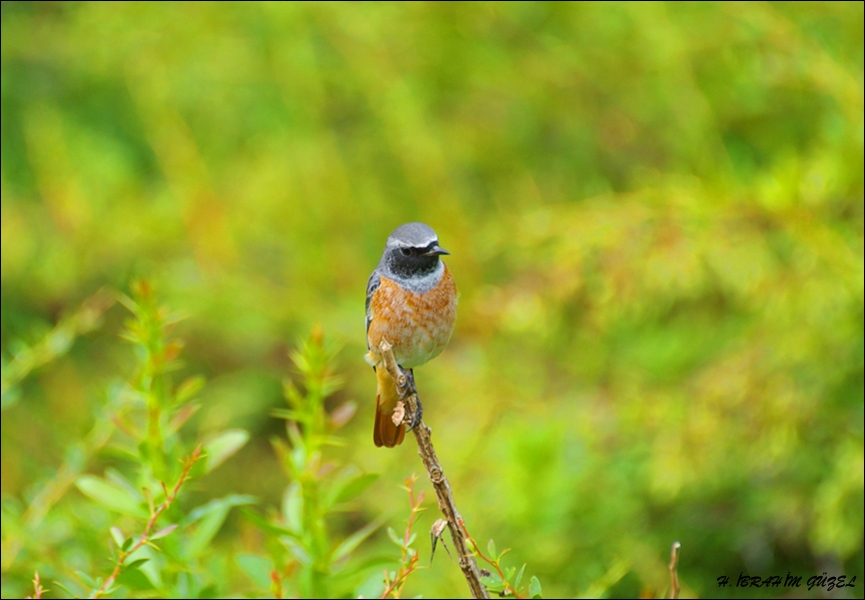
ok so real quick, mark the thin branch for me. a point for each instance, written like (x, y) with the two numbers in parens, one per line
(276, 579)
(467, 562)
(408, 560)
(188, 462)
(674, 577)
(38, 590)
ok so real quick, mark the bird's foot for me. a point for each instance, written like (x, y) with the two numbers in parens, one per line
(417, 416)
(409, 389)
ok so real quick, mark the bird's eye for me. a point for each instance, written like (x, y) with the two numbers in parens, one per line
(405, 251)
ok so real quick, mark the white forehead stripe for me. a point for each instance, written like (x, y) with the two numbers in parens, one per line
(393, 242)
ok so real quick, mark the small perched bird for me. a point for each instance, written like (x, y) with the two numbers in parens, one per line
(411, 301)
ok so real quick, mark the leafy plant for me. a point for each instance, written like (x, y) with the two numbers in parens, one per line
(140, 429)
(504, 581)
(394, 581)
(308, 559)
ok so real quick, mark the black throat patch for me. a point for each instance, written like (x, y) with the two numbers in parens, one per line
(410, 262)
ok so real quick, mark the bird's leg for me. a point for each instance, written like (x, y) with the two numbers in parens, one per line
(405, 384)
(410, 389)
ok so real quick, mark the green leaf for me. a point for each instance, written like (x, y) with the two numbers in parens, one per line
(163, 532)
(116, 478)
(152, 569)
(257, 568)
(354, 540)
(87, 579)
(493, 583)
(66, 589)
(351, 569)
(292, 396)
(266, 526)
(283, 452)
(132, 576)
(181, 416)
(295, 546)
(207, 529)
(519, 577)
(223, 446)
(110, 496)
(349, 484)
(333, 440)
(535, 588)
(135, 579)
(230, 500)
(285, 413)
(332, 384)
(298, 455)
(135, 564)
(211, 516)
(491, 548)
(342, 414)
(391, 533)
(118, 536)
(292, 507)
(189, 388)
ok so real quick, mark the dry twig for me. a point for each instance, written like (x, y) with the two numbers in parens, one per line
(674, 578)
(467, 562)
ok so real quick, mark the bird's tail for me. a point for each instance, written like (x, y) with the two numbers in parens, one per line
(386, 433)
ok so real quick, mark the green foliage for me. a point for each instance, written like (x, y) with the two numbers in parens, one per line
(655, 214)
(145, 430)
(303, 545)
(52, 346)
(395, 581)
(505, 581)
(140, 426)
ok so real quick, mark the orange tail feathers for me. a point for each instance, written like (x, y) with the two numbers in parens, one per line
(385, 432)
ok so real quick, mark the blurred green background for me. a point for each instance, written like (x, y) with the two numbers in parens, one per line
(655, 215)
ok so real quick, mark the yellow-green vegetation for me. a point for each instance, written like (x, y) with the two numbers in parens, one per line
(655, 215)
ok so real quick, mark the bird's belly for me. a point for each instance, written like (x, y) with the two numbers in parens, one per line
(418, 326)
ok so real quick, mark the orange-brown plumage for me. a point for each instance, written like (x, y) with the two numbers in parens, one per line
(417, 325)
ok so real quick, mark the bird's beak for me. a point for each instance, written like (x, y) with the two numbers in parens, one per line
(435, 251)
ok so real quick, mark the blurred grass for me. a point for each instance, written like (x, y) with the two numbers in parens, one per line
(655, 213)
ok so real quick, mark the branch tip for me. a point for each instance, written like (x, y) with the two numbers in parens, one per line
(674, 577)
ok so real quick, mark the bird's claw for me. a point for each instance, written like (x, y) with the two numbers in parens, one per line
(407, 390)
(417, 416)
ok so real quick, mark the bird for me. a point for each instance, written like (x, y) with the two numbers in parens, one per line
(411, 301)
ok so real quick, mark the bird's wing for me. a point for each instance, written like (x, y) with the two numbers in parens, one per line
(371, 287)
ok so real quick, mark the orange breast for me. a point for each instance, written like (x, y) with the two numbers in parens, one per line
(417, 325)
